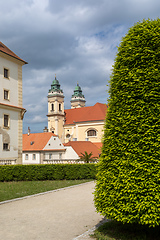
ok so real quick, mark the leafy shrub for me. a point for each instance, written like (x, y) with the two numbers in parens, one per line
(80, 171)
(47, 172)
(128, 180)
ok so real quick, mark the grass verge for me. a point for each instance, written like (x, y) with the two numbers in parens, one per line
(11, 190)
(113, 230)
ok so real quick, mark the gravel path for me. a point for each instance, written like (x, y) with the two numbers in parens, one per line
(63, 214)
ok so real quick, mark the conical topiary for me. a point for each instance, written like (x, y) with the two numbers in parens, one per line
(128, 179)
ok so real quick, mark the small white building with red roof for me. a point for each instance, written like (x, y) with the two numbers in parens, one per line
(46, 148)
(42, 148)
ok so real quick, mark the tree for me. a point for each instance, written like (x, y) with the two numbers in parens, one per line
(87, 158)
(128, 179)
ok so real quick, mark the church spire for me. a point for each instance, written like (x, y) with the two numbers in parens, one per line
(77, 99)
(55, 88)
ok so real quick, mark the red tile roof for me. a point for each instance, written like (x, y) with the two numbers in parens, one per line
(7, 51)
(85, 114)
(39, 141)
(98, 145)
(82, 146)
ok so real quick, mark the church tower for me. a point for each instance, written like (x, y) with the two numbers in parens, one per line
(78, 99)
(56, 109)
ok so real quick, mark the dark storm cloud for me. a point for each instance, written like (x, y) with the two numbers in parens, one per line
(75, 39)
(48, 50)
(91, 15)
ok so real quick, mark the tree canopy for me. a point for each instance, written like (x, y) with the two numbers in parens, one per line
(128, 179)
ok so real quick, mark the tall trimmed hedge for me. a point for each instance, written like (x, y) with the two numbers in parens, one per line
(47, 172)
(128, 179)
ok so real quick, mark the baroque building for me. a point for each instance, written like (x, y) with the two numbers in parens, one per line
(11, 107)
(79, 123)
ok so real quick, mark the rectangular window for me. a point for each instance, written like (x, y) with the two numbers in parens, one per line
(60, 155)
(26, 157)
(5, 146)
(6, 73)
(6, 94)
(34, 156)
(6, 120)
(50, 156)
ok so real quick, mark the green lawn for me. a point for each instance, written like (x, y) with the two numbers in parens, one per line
(11, 190)
(113, 230)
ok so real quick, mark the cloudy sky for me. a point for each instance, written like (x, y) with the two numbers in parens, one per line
(75, 39)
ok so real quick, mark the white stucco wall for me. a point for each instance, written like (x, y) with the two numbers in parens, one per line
(30, 158)
(54, 155)
(70, 154)
(10, 84)
(54, 143)
(12, 132)
(13, 84)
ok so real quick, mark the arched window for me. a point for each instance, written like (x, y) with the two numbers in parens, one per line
(91, 133)
(52, 107)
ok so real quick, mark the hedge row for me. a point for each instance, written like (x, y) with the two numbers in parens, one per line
(47, 172)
